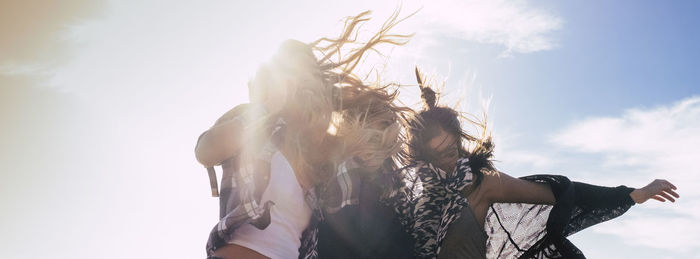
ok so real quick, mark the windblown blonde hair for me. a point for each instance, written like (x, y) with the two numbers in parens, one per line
(323, 82)
(370, 125)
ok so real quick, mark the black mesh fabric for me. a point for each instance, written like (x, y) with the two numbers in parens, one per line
(518, 230)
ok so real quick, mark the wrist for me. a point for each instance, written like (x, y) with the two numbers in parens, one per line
(637, 196)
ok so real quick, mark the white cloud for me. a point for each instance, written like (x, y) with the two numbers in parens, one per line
(638, 131)
(676, 233)
(641, 145)
(520, 157)
(516, 25)
(136, 46)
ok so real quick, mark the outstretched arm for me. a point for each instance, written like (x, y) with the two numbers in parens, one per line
(503, 188)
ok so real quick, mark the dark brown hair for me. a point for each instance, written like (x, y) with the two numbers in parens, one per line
(432, 119)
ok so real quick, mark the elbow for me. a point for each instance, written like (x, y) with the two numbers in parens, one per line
(205, 157)
(202, 159)
(202, 155)
(213, 147)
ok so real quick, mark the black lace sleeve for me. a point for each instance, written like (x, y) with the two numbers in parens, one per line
(540, 231)
(596, 204)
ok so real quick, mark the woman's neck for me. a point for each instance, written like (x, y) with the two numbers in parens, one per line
(309, 161)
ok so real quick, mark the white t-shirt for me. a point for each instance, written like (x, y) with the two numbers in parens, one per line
(289, 216)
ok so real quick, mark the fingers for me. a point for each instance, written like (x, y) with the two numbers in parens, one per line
(658, 198)
(667, 196)
(673, 193)
(672, 186)
(663, 188)
(667, 190)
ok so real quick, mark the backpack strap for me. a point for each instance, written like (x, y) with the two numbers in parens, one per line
(213, 183)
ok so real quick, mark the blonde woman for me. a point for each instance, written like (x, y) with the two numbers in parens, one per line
(357, 221)
(275, 152)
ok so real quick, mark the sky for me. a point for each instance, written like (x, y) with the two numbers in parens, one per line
(101, 103)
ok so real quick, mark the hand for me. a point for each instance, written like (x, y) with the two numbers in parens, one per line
(660, 190)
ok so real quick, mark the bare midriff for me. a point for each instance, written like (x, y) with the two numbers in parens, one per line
(232, 251)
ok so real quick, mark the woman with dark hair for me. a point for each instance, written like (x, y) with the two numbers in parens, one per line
(276, 152)
(455, 204)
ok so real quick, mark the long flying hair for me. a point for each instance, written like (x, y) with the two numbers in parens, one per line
(370, 125)
(317, 79)
(431, 119)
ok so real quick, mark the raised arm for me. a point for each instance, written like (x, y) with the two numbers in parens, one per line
(221, 141)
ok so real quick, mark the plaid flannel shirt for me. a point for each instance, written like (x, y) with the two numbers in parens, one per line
(241, 193)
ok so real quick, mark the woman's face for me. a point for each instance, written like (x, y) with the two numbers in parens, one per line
(380, 126)
(444, 150)
(379, 149)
